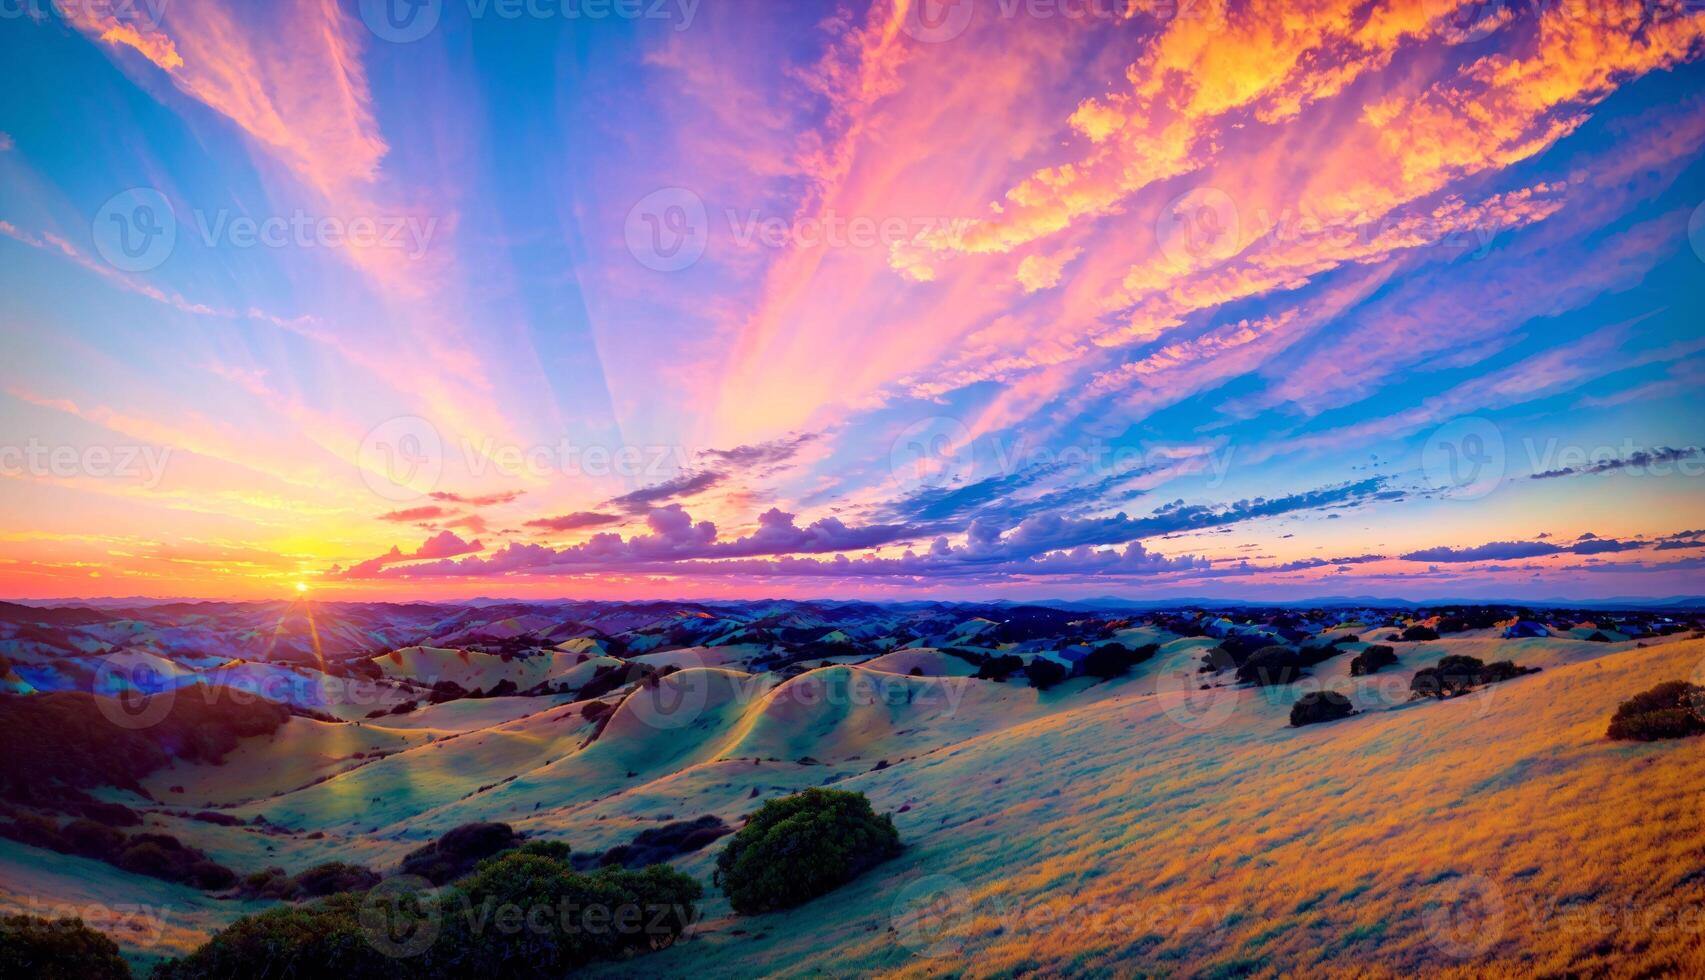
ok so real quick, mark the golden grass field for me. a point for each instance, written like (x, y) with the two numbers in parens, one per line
(1124, 828)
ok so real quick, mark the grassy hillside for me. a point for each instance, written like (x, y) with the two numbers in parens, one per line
(1137, 826)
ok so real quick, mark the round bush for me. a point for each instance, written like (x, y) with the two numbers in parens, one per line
(62, 949)
(1318, 706)
(528, 915)
(1372, 659)
(802, 846)
(1675, 709)
(522, 914)
(319, 939)
(333, 878)
(1271, 667)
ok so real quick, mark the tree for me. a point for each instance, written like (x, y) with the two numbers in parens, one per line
(1271, 666)
(798, 847)
(1458, 674)
(998, 668)
(1454, 675)
(605, 914)
(318, 939)
(57, 949)
(1112, 660)
(458, 851)
(1372, 659)
(1044, 673)
(1318, 706)
(1674, 709)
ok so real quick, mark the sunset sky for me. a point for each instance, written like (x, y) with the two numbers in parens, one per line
(992, 298)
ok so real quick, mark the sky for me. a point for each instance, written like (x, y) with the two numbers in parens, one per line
(399, 299)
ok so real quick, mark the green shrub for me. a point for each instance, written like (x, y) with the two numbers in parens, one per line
(92, 840)
(1458, 674)
(63, 949)
(1675, 709)
(458, 851)
(655, 845)
(332, 878)
(319, 939)
(524, 913)
(64, 741)
(1318, 706)
(1271, 666)
(1418, 634)
(164, 856)
(1372, 659)
(999, 668)
(1114, 659)
(493, 929)
(1044, 673)
(556, 850)
(798, 847)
